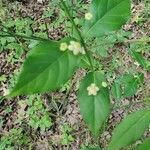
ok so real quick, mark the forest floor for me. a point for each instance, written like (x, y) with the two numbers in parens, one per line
(66, 129)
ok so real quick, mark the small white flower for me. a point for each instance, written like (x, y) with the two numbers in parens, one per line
(92, 89)
(71, 46)
(75, 52)
(76, 48)
(63, 46)
(88, 16)
(82, 51)
(104, 84)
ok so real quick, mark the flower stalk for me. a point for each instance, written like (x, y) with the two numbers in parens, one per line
(78, 32)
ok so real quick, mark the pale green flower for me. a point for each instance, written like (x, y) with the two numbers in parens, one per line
(104, 84)
(82, 51)
(63, 46)
(88, 16)
(76, 48)
(92, 89)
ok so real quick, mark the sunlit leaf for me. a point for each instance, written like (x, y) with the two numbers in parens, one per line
(126, 85)
(130, 129)
(140, 59)
(95, 109)
(45, 69)
(108, 15)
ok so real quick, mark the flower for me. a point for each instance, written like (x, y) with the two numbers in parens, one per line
(104, 84)
(63, 46)
(92, 89)
(88, 16)
(76, 48)
(82, 51)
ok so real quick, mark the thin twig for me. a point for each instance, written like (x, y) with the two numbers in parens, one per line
(11, 34)
(46, 29)
(24, 37)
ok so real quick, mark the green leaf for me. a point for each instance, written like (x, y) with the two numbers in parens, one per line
(116, 90)
(145, 145)
(45, 69)
(126, 85)
(108, 15)
(140, 59)
(130, 129)
(95, 109)
(102, 51)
